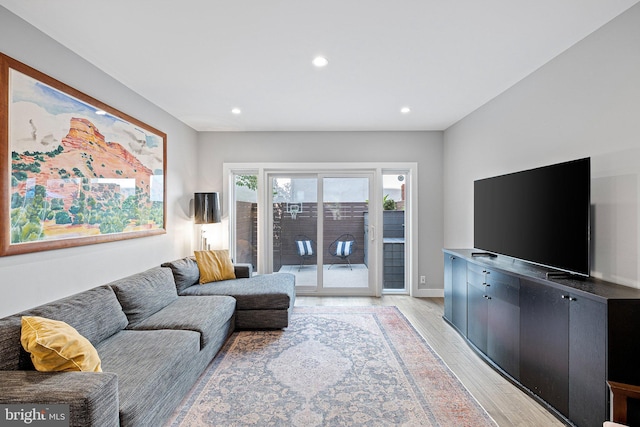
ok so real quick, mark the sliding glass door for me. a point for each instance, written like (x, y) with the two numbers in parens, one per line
(341, 229)
(321, 231)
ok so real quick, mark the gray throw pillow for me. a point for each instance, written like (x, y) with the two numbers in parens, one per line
(185, 272)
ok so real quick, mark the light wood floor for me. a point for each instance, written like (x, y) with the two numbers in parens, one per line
(502, 400)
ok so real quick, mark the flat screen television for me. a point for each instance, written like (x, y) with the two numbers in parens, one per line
(539, 215)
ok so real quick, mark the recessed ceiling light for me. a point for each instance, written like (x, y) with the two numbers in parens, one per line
(320, 61)
(236, 111)
(101, 112)
(405, 110)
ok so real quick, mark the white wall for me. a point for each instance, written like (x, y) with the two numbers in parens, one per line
(586, 102)
(425, 148)
(31, 279)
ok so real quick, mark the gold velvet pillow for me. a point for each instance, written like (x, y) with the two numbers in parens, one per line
(55, 346)
(214, 266)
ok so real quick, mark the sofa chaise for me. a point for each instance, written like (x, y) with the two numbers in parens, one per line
(262, 302)
(154, 339)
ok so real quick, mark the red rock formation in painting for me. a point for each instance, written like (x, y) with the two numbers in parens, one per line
(107, 158)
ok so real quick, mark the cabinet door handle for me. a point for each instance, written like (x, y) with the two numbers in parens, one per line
(572, 299)
(451, 257)
(565, 296)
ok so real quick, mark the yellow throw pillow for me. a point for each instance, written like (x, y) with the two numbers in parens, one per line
(55, 346)
(214, 266)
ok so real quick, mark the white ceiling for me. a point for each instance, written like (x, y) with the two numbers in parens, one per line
(198, 59)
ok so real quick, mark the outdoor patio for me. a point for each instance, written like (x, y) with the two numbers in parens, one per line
(338, 276)
(351, 218)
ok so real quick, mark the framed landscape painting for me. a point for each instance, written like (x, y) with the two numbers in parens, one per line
(74, 171)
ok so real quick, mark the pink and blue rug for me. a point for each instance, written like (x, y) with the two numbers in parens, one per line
(333, 366)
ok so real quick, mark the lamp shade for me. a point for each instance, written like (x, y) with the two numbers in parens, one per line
(206, 207)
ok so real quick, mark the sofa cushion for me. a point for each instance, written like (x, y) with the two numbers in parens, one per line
(203, 314)
(55, 346)
(145, 293)
(262, 292)
(214, 266)
(12, 355)
(148, 365)
(96, 314)
(185, 272)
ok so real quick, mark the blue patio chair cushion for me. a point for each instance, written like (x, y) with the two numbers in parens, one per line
(304, 247)
(343, 249)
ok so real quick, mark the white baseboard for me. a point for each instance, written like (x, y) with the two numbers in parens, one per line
(428, 293)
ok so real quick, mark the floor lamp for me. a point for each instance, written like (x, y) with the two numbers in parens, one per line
(207, 211)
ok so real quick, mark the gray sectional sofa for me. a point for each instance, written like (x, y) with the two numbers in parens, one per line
(154, 335)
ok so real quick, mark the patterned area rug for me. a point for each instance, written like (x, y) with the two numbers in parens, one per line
(333, 366)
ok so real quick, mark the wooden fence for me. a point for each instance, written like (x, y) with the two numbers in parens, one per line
(339, 218)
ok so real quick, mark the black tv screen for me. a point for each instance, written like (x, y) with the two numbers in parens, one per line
(540, 215)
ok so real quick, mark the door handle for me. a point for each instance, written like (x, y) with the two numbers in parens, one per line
(372, 232)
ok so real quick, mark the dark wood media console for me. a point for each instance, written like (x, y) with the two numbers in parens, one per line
(558, 339)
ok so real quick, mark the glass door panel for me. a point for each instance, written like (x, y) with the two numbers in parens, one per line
(245, 216)
(295, 228)
(345, 232)
(393, 232)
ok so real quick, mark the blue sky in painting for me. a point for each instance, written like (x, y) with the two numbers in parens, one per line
(25, 89)
(54, 101)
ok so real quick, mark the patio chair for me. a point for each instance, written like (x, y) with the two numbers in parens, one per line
(305, 248)
(343, 247)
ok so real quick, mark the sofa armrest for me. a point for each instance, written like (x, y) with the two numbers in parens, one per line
(243, 271)
(92, 396)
